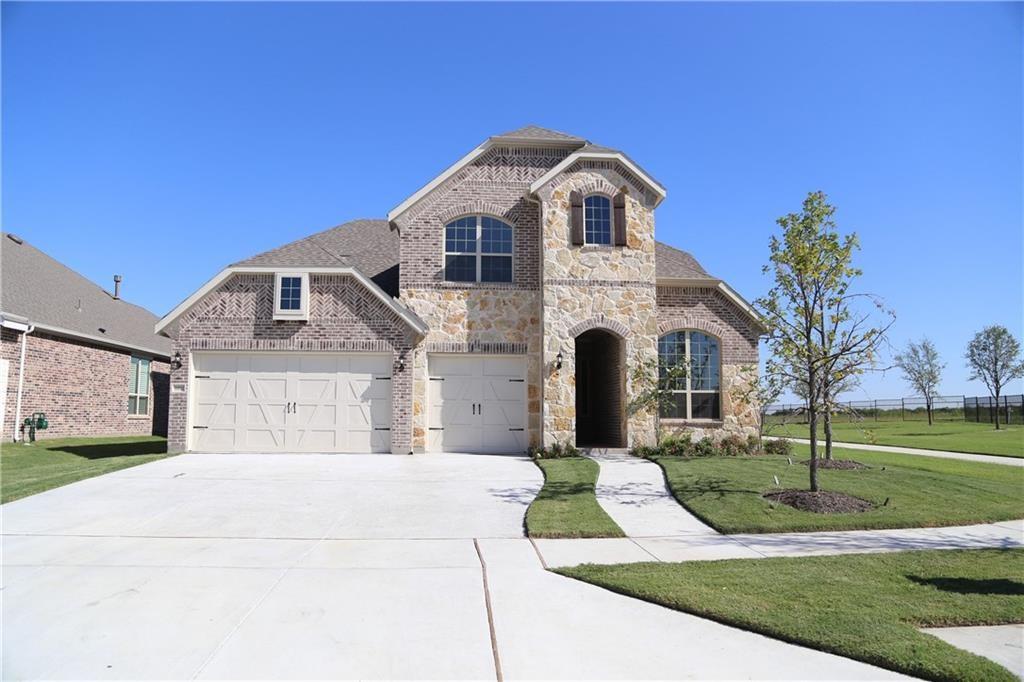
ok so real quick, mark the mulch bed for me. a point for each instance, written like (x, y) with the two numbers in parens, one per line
(822, 502)
(837, 464)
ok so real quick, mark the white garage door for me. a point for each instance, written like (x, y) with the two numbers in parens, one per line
(476, 404)
(289, 402)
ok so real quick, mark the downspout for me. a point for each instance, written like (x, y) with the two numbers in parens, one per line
(21, 381)
(542, 379)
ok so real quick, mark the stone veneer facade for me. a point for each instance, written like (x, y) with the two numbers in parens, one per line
(558, 292)
(82, 387)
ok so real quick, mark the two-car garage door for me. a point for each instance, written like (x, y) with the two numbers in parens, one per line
(291, 402)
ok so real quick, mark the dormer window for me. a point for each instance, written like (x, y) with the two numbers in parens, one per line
(597, 220)
(478, 249)
(291, 296)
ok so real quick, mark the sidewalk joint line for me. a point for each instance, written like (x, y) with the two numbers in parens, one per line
(540, 556)
(490, 613)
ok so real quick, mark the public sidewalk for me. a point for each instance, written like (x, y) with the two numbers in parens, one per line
(945, 454)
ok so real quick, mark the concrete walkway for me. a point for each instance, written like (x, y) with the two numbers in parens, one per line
(944, 454)
(344, 566)
(1003, 644)
(634, 493)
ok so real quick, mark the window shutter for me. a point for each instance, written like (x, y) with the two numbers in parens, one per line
(576, 217)
(619, 218)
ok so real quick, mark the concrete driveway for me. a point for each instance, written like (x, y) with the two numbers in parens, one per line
(309, 566)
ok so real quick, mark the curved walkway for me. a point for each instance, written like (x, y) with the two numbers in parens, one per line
(634, 493)
(945, 454)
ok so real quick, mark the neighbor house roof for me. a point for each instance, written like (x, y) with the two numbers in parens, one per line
(46, 293)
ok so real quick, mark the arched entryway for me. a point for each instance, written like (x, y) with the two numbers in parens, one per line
(599, 370)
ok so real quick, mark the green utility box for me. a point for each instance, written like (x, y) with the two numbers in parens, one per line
(36, 421)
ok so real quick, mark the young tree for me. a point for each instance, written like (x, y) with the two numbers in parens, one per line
(922, 369)
(993, 356)
(814, 330)
(828, 395)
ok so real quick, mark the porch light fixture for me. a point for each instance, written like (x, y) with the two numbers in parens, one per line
(558, 360)
(176, 362)
(401, 364)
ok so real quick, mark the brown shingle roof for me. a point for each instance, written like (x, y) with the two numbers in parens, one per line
(532, 132)
(372, 247)
(48, 293)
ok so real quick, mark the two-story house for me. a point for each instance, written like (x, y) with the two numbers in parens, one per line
(518, 298)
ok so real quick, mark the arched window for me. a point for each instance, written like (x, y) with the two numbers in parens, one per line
(697, 395)
(597, 220)
(477, 248)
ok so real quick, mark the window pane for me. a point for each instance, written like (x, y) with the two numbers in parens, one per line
(597, 220)
(496, 236)
(675, 407)
(133, 376)
(705, 405)
(143, 405)
(143, 383)
(460, 268)
(671, 353)
(132, 405)
(291, 293)
(460, 236)
(496, 269)
(703, 362)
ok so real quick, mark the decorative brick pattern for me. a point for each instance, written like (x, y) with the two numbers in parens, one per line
(344, 317)
(599, 322)
(82, 388)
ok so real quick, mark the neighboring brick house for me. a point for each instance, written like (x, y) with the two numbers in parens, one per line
(86, 358)
(516, 299)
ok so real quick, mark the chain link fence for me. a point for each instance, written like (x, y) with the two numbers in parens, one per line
(949, 408)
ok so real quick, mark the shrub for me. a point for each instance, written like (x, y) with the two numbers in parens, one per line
(646, 451)
(753, 445)
(676, 446)
(554, 451)
(705, 447)
(733, 446)
(778, 446)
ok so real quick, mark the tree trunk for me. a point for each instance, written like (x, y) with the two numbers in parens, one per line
(928, 407)
(997, 410)
(828, 433)
(813, 464)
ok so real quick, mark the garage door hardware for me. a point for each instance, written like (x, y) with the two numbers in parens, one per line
(381, 428)
(200, 427)
(202, 376)
(437, 378)
(382, 378)
(511, 429)
(436, 428)
(478, 408)
(290, 407)
(516, 381)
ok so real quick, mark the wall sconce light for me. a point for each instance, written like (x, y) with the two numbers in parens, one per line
(176, 362)
(558, 360)
(401, 364)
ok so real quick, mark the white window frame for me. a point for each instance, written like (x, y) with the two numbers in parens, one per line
(135, 364)
(479, 254)
(303, 312)
(611, 220)
(688, 390)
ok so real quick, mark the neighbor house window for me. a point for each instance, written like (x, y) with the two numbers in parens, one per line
(291, 296)
(697, 394)
(138, 387)
(597, 220)
(478, 249)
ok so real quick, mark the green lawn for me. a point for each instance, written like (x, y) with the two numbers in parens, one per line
(30, 469)
(922, 491)
(867, 606)
(566, 506)
(983, 439)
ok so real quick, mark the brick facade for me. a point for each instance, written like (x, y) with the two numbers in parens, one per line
(82, 387)
(343, 317)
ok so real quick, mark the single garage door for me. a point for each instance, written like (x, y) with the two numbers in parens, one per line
(290, 402)
(476, 404)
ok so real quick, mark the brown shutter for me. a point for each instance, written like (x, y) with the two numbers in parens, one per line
(576, 217)
(619, 218)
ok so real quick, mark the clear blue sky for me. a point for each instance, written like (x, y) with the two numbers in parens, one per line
(164, 141)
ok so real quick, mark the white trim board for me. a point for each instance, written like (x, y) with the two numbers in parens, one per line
(404, 313)
(599, 156)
